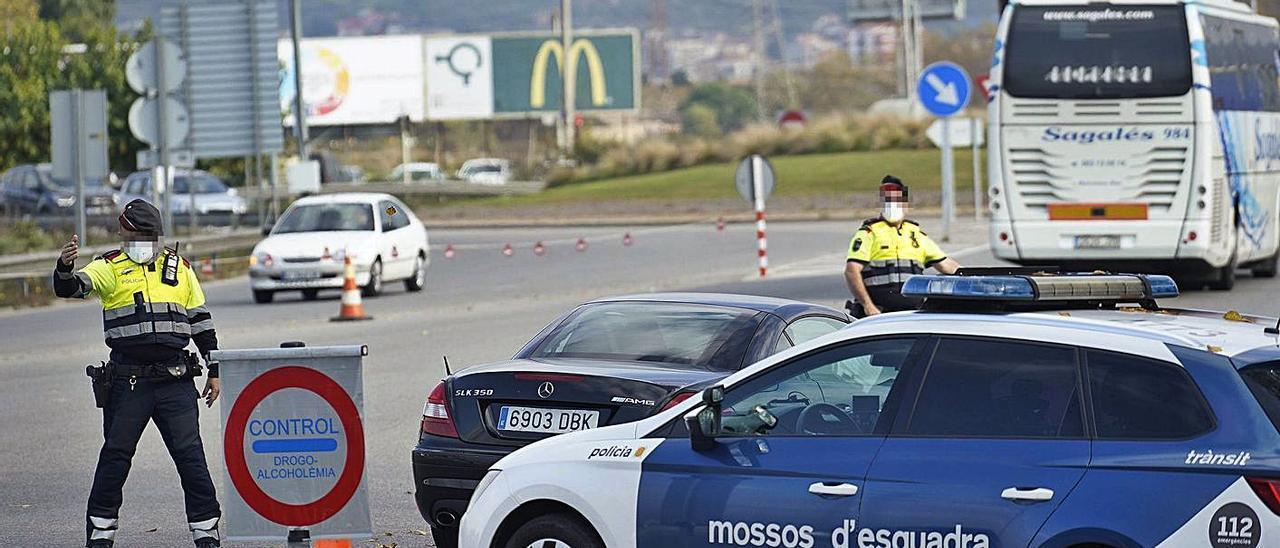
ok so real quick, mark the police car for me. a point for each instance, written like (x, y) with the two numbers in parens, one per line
(1015, 410)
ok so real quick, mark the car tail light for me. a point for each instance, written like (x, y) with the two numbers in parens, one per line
(436, 419)
(1267, 489)
(556, 377)
(675, 400)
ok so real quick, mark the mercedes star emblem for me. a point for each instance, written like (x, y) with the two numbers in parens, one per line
(546, 389)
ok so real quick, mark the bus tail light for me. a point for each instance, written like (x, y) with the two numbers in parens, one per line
(436, 419)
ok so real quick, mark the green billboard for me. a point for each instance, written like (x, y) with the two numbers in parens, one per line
(603, 67)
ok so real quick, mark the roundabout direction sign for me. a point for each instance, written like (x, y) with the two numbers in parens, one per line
(294, 443)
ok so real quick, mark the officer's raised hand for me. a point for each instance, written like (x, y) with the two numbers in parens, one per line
(212, 388)
(71, 251)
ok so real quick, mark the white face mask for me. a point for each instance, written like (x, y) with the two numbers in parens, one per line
(141, 252)
(894, 212)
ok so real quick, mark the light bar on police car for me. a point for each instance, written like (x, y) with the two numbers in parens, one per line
(1077, 287)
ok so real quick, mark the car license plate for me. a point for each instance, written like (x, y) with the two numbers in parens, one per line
(550, 421)
(301, 275)
(1097, 242)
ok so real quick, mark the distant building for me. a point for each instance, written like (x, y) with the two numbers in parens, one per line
(873, 43)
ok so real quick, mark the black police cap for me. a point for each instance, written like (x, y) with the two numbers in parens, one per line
(142, 217)
(889, 182)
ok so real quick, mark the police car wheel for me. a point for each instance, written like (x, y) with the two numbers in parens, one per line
(554, 531)
(263, 297)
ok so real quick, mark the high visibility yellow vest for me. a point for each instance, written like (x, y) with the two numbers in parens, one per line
(139, 309)
(891, 253)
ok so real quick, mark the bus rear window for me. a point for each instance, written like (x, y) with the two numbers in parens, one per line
(1264, 381)
(1098, 52)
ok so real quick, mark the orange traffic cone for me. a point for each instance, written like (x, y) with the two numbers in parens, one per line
(352, 307)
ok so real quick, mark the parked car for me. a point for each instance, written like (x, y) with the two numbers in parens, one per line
(213, 196)
(31, 188)
(350, 174)
(419, 172)
(306, 248)
(485, 171)
(606, 362)
(1028, 411)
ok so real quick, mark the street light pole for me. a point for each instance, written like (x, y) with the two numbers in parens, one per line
(569, 80)
(300, 115)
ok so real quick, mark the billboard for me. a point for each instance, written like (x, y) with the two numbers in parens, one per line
(364, 80)
(518, 75)
(459, 78)
(887, 10)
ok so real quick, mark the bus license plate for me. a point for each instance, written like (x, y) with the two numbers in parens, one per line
(548, 421)
(1097, 242)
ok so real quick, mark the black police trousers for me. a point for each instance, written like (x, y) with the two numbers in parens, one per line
(173, 406)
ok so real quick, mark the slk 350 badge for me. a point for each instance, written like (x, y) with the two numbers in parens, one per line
(473, 393)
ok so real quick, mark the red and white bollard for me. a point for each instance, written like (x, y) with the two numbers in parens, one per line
(762, 243)
(448, 251)
(206, 266)
(720, 224)
(581, 245)
(626, 239)
(539, 249)
(508, 251)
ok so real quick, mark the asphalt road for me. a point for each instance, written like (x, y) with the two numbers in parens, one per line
(478, 306)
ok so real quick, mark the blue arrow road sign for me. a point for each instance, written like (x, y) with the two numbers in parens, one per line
(943, 88)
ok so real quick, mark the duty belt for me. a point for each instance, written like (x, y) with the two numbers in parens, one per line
(177, 368)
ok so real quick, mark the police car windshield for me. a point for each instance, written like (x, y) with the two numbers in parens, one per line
(326, 218)
(686, 336)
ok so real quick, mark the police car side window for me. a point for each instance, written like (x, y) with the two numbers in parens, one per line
(1139, 398)
(840, 391)
(999, 389)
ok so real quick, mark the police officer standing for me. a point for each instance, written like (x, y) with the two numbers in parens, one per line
(886, 251)
(152, 307)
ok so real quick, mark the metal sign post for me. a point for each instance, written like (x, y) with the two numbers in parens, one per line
(78, 134)
(294, 443)
(755, 180)
(944, 90)
(975, 130)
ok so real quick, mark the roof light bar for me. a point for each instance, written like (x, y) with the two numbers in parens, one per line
(1057, 287)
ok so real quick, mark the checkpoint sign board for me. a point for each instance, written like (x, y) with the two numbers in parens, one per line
(294, 443)
(944, 89)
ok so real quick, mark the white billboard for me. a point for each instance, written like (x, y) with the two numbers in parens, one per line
(364, 80)
(459, 78)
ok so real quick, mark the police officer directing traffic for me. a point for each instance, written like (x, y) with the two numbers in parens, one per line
(152, 308)
(886, 251)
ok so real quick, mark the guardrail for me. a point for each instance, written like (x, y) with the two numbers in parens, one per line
(449, 188)
(195, 246)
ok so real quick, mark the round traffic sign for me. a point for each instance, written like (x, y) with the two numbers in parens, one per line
(348, 414)
(743, 177)
(943, 88)
(140, 69)
(143, 114)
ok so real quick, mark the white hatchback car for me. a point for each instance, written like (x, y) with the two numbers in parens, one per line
(306, 249)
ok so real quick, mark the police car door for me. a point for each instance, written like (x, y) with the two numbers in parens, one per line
(992, 445)
(795, 484)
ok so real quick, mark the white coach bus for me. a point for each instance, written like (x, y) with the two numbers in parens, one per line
(1139, 136)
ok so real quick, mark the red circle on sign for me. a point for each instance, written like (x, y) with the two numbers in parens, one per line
(238, 469)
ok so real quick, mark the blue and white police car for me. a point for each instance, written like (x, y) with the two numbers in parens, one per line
(1015, 410)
